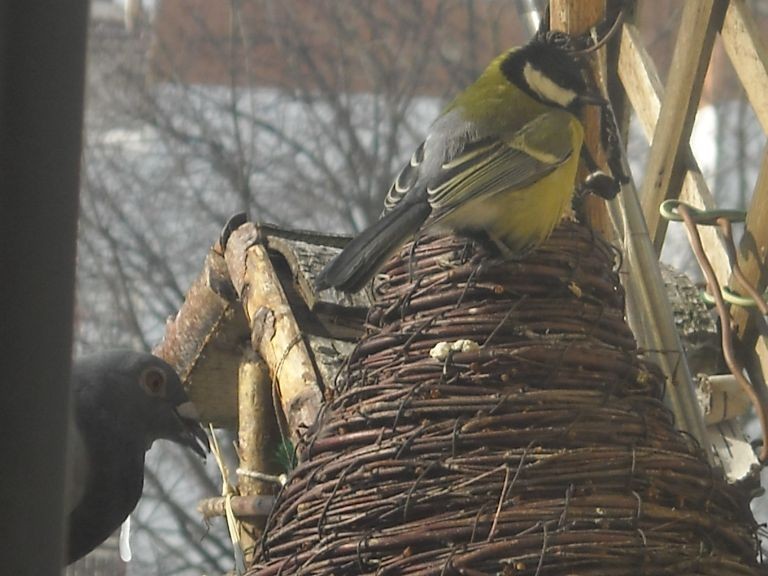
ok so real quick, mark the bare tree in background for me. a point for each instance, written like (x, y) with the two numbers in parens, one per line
(298, 112)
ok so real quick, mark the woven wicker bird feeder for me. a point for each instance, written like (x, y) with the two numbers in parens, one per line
(498, 418)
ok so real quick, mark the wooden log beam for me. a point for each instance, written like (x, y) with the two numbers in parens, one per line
(203, 342)
(643, 87)
(665, 170)
(275, 334)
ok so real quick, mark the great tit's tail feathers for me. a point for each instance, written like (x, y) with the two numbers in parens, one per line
(365, 253)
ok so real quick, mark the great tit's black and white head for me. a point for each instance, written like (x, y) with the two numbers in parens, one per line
(550, 74)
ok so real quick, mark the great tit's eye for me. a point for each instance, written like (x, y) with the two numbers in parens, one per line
(153, 382)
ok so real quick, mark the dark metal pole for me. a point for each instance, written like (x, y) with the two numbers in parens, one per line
(42, 58)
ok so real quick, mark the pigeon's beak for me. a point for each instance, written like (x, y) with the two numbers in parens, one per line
(192, 434)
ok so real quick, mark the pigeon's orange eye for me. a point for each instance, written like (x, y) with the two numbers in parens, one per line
(153, 382)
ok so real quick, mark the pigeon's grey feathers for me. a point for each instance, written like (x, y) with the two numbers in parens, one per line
(123, 402)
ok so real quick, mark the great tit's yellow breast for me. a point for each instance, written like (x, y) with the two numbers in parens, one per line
(520, 219)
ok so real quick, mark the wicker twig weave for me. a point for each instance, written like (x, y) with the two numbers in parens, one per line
(497, 418)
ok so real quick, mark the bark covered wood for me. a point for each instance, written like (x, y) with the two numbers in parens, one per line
(275, 334)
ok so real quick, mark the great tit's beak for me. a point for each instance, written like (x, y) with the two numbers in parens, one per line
(191, 433)
(592, 98)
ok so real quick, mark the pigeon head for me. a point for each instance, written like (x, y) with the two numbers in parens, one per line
(140, 397)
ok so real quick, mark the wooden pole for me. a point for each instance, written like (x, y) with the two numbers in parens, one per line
(576, 17)
(749, 55)
(258, 438)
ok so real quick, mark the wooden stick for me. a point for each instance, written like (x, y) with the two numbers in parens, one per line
(665, 171)
(577, 17)
(258, 438)
(242, 506)
(275, 333)
(645, 92)
(210, 318)
(743, 43)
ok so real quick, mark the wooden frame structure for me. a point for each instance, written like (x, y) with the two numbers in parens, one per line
(666, 115)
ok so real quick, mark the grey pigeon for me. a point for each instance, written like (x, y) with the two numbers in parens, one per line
(123, 402)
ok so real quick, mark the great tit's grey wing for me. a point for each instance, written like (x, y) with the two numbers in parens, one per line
(455, 164)
(367, 251)
(406, 180)
(405, 210)
(493, 164)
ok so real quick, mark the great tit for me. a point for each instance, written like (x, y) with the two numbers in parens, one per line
(499, 162)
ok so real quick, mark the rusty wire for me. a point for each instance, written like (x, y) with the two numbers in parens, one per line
(729, 353)
(723, 219)
(543, 449)
(730, 249)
